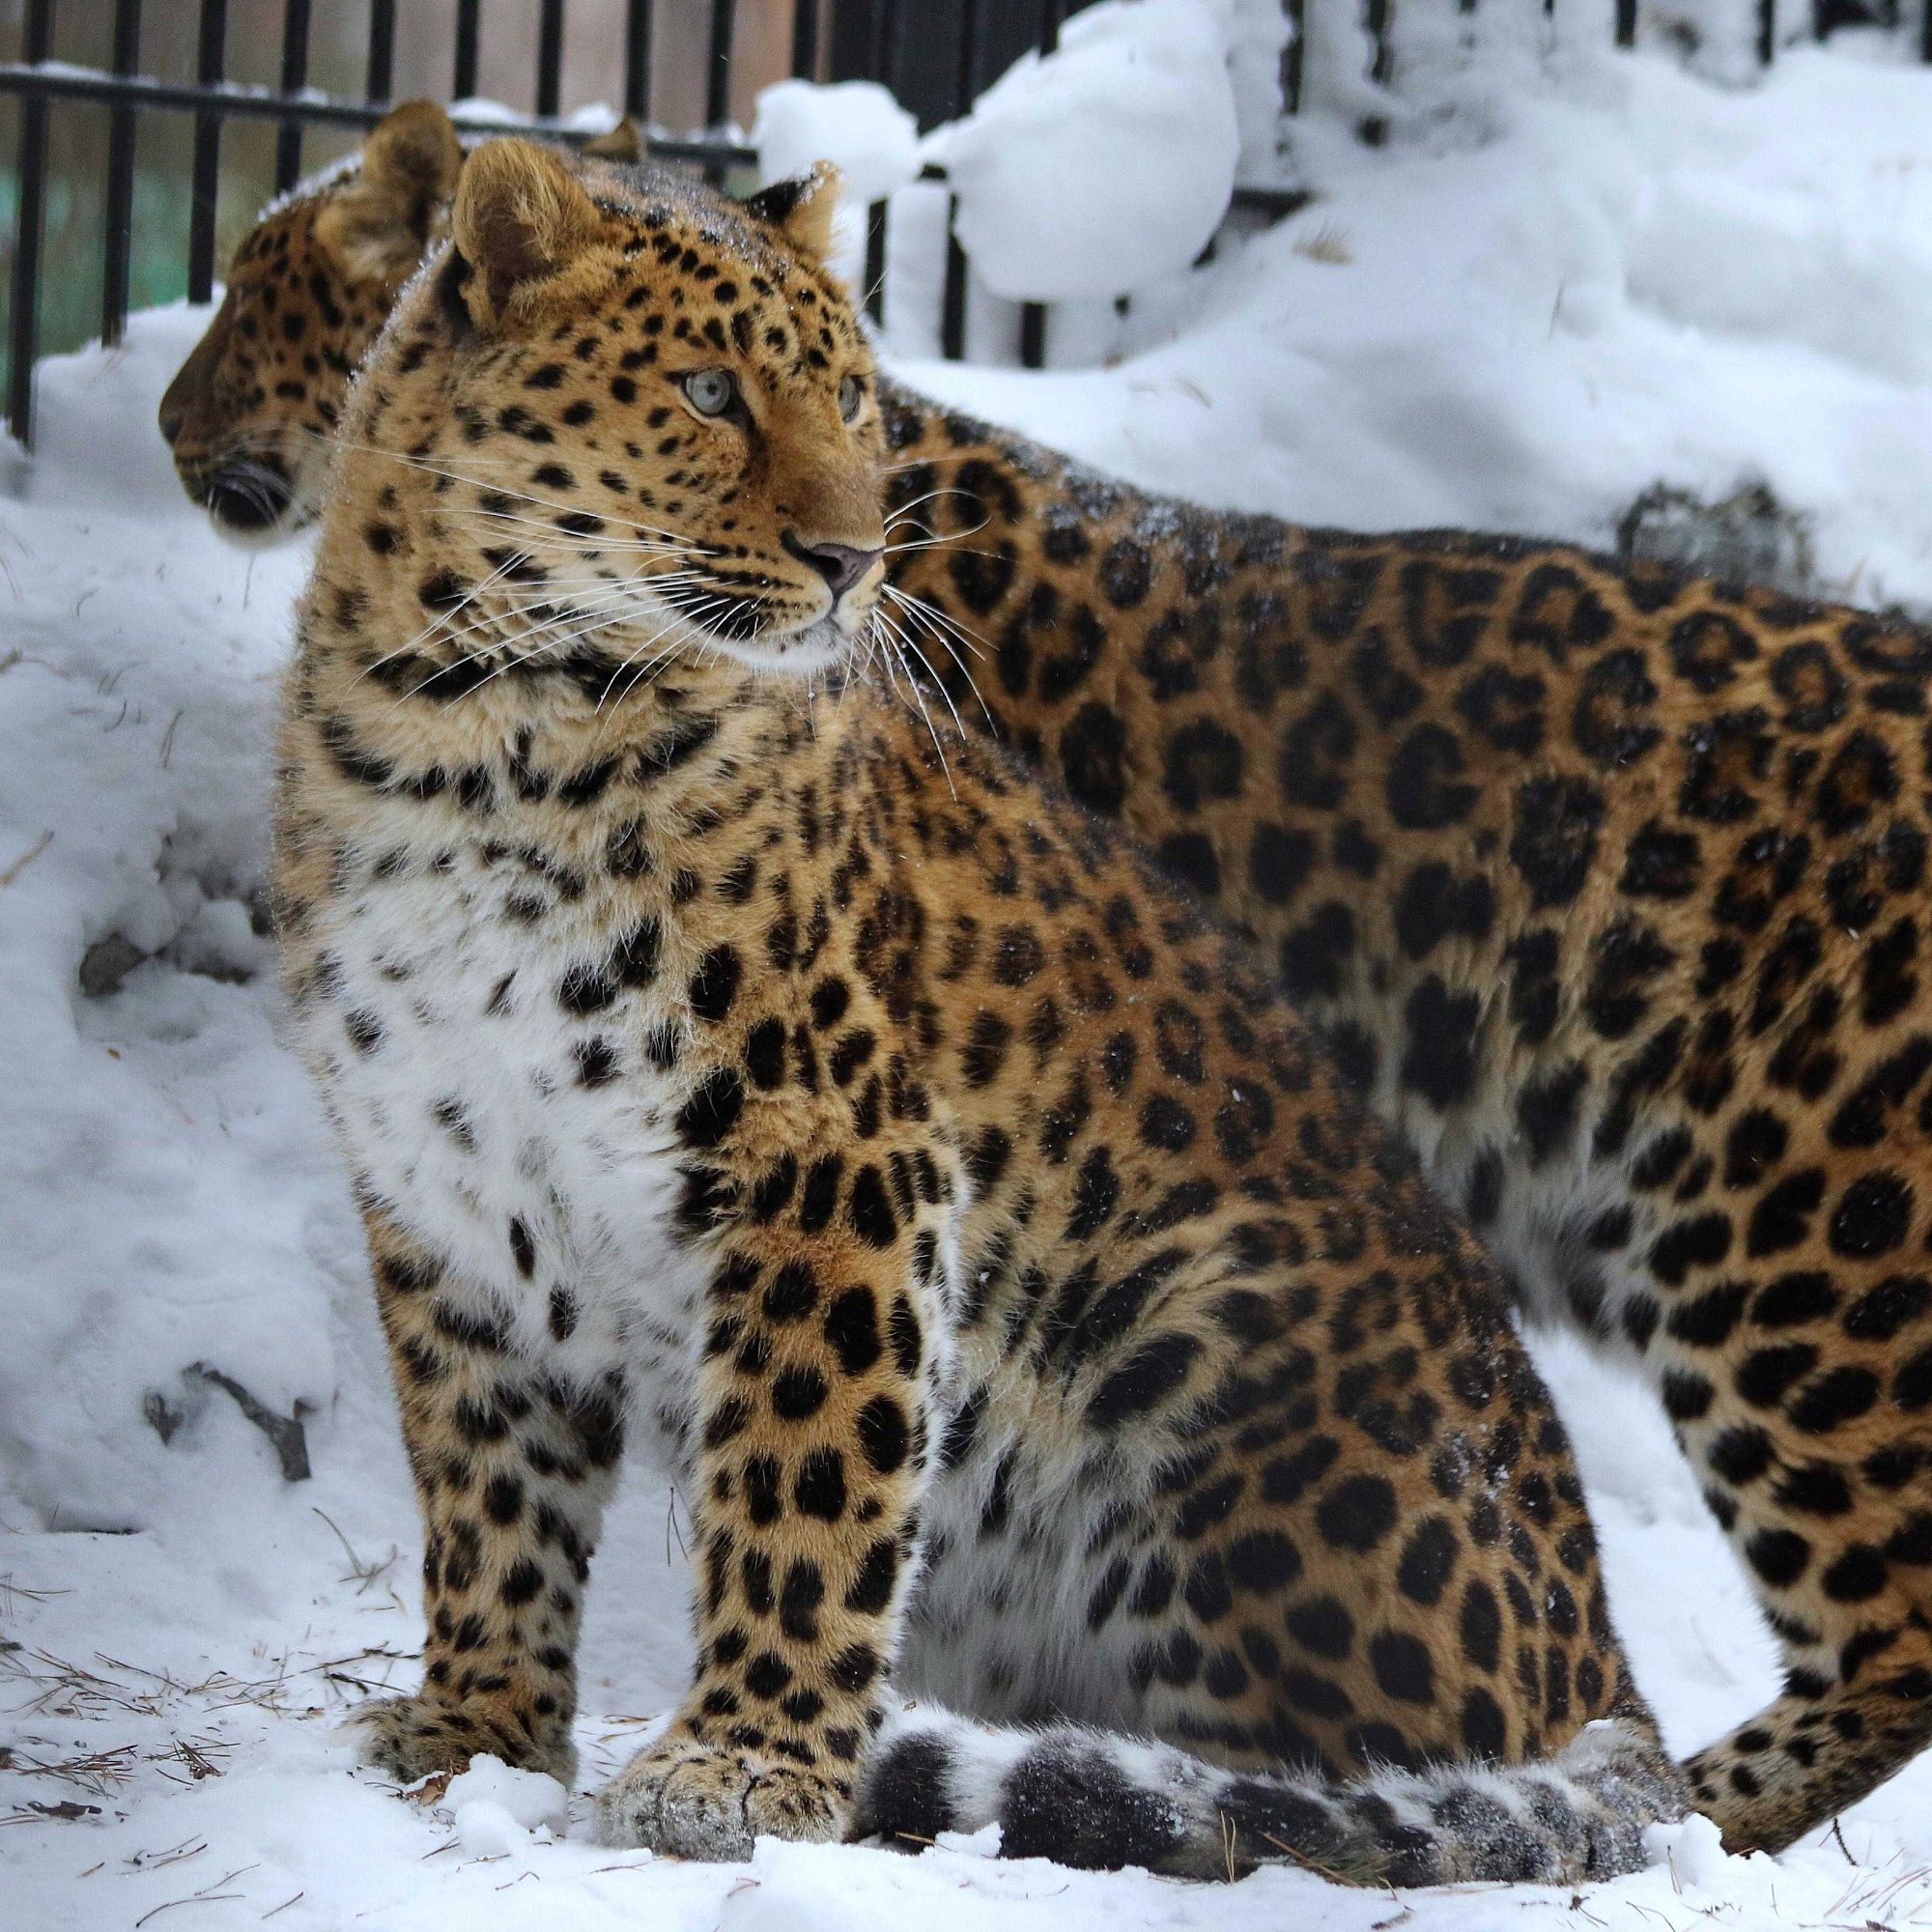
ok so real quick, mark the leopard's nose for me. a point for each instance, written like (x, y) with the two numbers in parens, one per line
(841, 565)
(173, 417)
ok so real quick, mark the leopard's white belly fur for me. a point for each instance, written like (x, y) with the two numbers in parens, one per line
(453, 1076)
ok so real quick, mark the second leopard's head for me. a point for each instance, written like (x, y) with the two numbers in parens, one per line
(249, 413)
(623, 418)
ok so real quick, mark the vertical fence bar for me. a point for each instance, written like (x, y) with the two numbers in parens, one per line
(718, 64)
(119, 251)
(295, 77)
(1626, 23)
(952, 292)
(805, 38)
(1292, 56)
(1767, 31)
(23, 334)
(211, 63)
(885, 41)
(638, 59)
(549, 57)
(379, 77)
(468, 24)
(1925, 33)
(1032, 314)
(1033, 335)
(1377, 14)
(875, 263)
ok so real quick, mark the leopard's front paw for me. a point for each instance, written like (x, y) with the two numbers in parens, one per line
(409, 1738)
(700, 1800)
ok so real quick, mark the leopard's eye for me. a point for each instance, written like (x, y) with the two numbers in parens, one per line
(851, 393)
(711, 391)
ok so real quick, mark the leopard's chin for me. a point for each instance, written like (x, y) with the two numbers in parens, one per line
(812, 649)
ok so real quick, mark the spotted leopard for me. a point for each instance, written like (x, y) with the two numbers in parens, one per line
(1026, 1313)
(1607, 885)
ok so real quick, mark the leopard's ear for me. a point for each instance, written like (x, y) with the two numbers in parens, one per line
(379, 220)
(800, 209)
(623, 143)
(521, 217)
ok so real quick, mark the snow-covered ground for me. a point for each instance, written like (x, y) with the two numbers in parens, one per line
(1518, 315)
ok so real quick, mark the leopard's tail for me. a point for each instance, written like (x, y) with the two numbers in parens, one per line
(1098, 1800)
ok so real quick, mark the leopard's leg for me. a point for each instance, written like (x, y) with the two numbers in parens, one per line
(513, 1466)
(1783, 1308)
(811, 1450)
(1818, 1748)
(1846, 1593)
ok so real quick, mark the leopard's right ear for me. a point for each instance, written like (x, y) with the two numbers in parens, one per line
(381, 219)
(521, 219)
(801, 208)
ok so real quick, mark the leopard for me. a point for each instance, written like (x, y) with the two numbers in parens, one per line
(1572, 861)
(250, 413)
(1090, 1421)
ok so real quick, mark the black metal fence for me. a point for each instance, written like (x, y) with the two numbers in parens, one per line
(936, 56)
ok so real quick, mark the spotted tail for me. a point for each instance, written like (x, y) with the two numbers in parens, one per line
(1099, 1802)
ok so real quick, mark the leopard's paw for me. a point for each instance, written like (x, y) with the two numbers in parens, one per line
(409, 1738)
(710, 1802)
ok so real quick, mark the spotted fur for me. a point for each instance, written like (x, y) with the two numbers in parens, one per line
(1020, 1303)
(1606, 885)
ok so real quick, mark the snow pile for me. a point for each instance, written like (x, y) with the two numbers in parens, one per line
(856, 124)
(1530, 315)
(494, 1807)
(1105, 164)
(1511, 322)
(148, 1223)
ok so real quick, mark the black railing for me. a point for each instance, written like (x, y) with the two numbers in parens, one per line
(937, 70)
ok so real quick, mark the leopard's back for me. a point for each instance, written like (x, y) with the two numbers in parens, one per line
(1608, 886)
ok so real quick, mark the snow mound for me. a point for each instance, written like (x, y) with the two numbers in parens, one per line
(1105, 164)
(495, 1807)
(856, 124)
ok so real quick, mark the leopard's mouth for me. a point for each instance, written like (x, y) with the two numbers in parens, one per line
(252, 500)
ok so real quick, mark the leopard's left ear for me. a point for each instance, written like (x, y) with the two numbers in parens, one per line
(800, 209)
(379, 220)
(520, 219)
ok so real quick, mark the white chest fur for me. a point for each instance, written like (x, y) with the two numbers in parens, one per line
(528, 1145)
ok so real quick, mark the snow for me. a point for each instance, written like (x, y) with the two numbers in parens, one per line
(856, 124)
(1132, 122)
(1532, 305)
